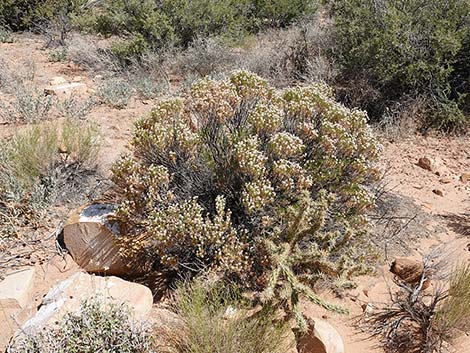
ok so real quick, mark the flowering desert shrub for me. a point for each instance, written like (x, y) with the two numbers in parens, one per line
(265, 187)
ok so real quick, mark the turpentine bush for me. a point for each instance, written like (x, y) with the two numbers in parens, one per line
(407, 49)
(265, 187)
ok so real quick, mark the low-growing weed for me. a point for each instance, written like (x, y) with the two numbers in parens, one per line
(97, 326)
(116, 93)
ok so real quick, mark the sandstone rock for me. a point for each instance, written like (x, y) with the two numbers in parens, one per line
(321, 337)
(58, 80)
(435, 165)
(77, 79)
(69, 294)
(438, 192)
(445, 180)
(17, 286)
(91, 238)
(66, 88)
(409, 270)
(465, 177)
(15, 294)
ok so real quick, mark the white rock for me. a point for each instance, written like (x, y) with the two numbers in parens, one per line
(66, 88)
(17, 286)
(15, 295)
(58, 80)
(69, 294)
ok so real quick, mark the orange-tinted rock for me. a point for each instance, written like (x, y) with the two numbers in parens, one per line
(92, 237)
(321, 337)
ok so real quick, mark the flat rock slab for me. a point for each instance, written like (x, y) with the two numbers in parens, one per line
(15, 296)
(66, 88)
(17, 286)
(69, 294)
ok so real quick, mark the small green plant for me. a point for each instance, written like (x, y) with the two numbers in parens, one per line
(267, 187)
(215, 318)
(150, 89)
(57, 55)
(96, 327)
(29, 105)
(41, 162)
(5, 35)
(115, 92)
(75, 108)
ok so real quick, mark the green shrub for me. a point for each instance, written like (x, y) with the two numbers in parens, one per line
(216, 319)
(41, 162)
(26, 14)
(264, 186)
(126, 50)
(96, 327)
(115, 92)
(5, 35)
(28, 105)
(164, 23)
(57, 55)
(141, 20)
(281, 13)
(407, 49)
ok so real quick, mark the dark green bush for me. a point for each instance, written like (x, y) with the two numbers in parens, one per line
(263, 186)
(25, 14)
(138, 19)
(407, 48)
(180, 22)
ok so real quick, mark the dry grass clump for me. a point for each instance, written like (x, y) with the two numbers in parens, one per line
(216, 319)
(41, 162)
(454, 312)
(97, 327)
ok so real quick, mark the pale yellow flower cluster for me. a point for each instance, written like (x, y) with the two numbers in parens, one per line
(257, 195)
(286, 145)
(250, 159)
(265, 118)
(291, 176)
(217, 98)
(249, 85)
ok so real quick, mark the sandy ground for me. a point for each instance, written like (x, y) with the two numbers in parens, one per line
(450, 212)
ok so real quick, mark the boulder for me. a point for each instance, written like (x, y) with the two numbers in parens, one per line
(320, 337)
(70, 293)
(58, 80)
(438, 192)
(409, 270)
(92, 237)
(465, 177)
(66, 88)
(15, 296)
(435, 165)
